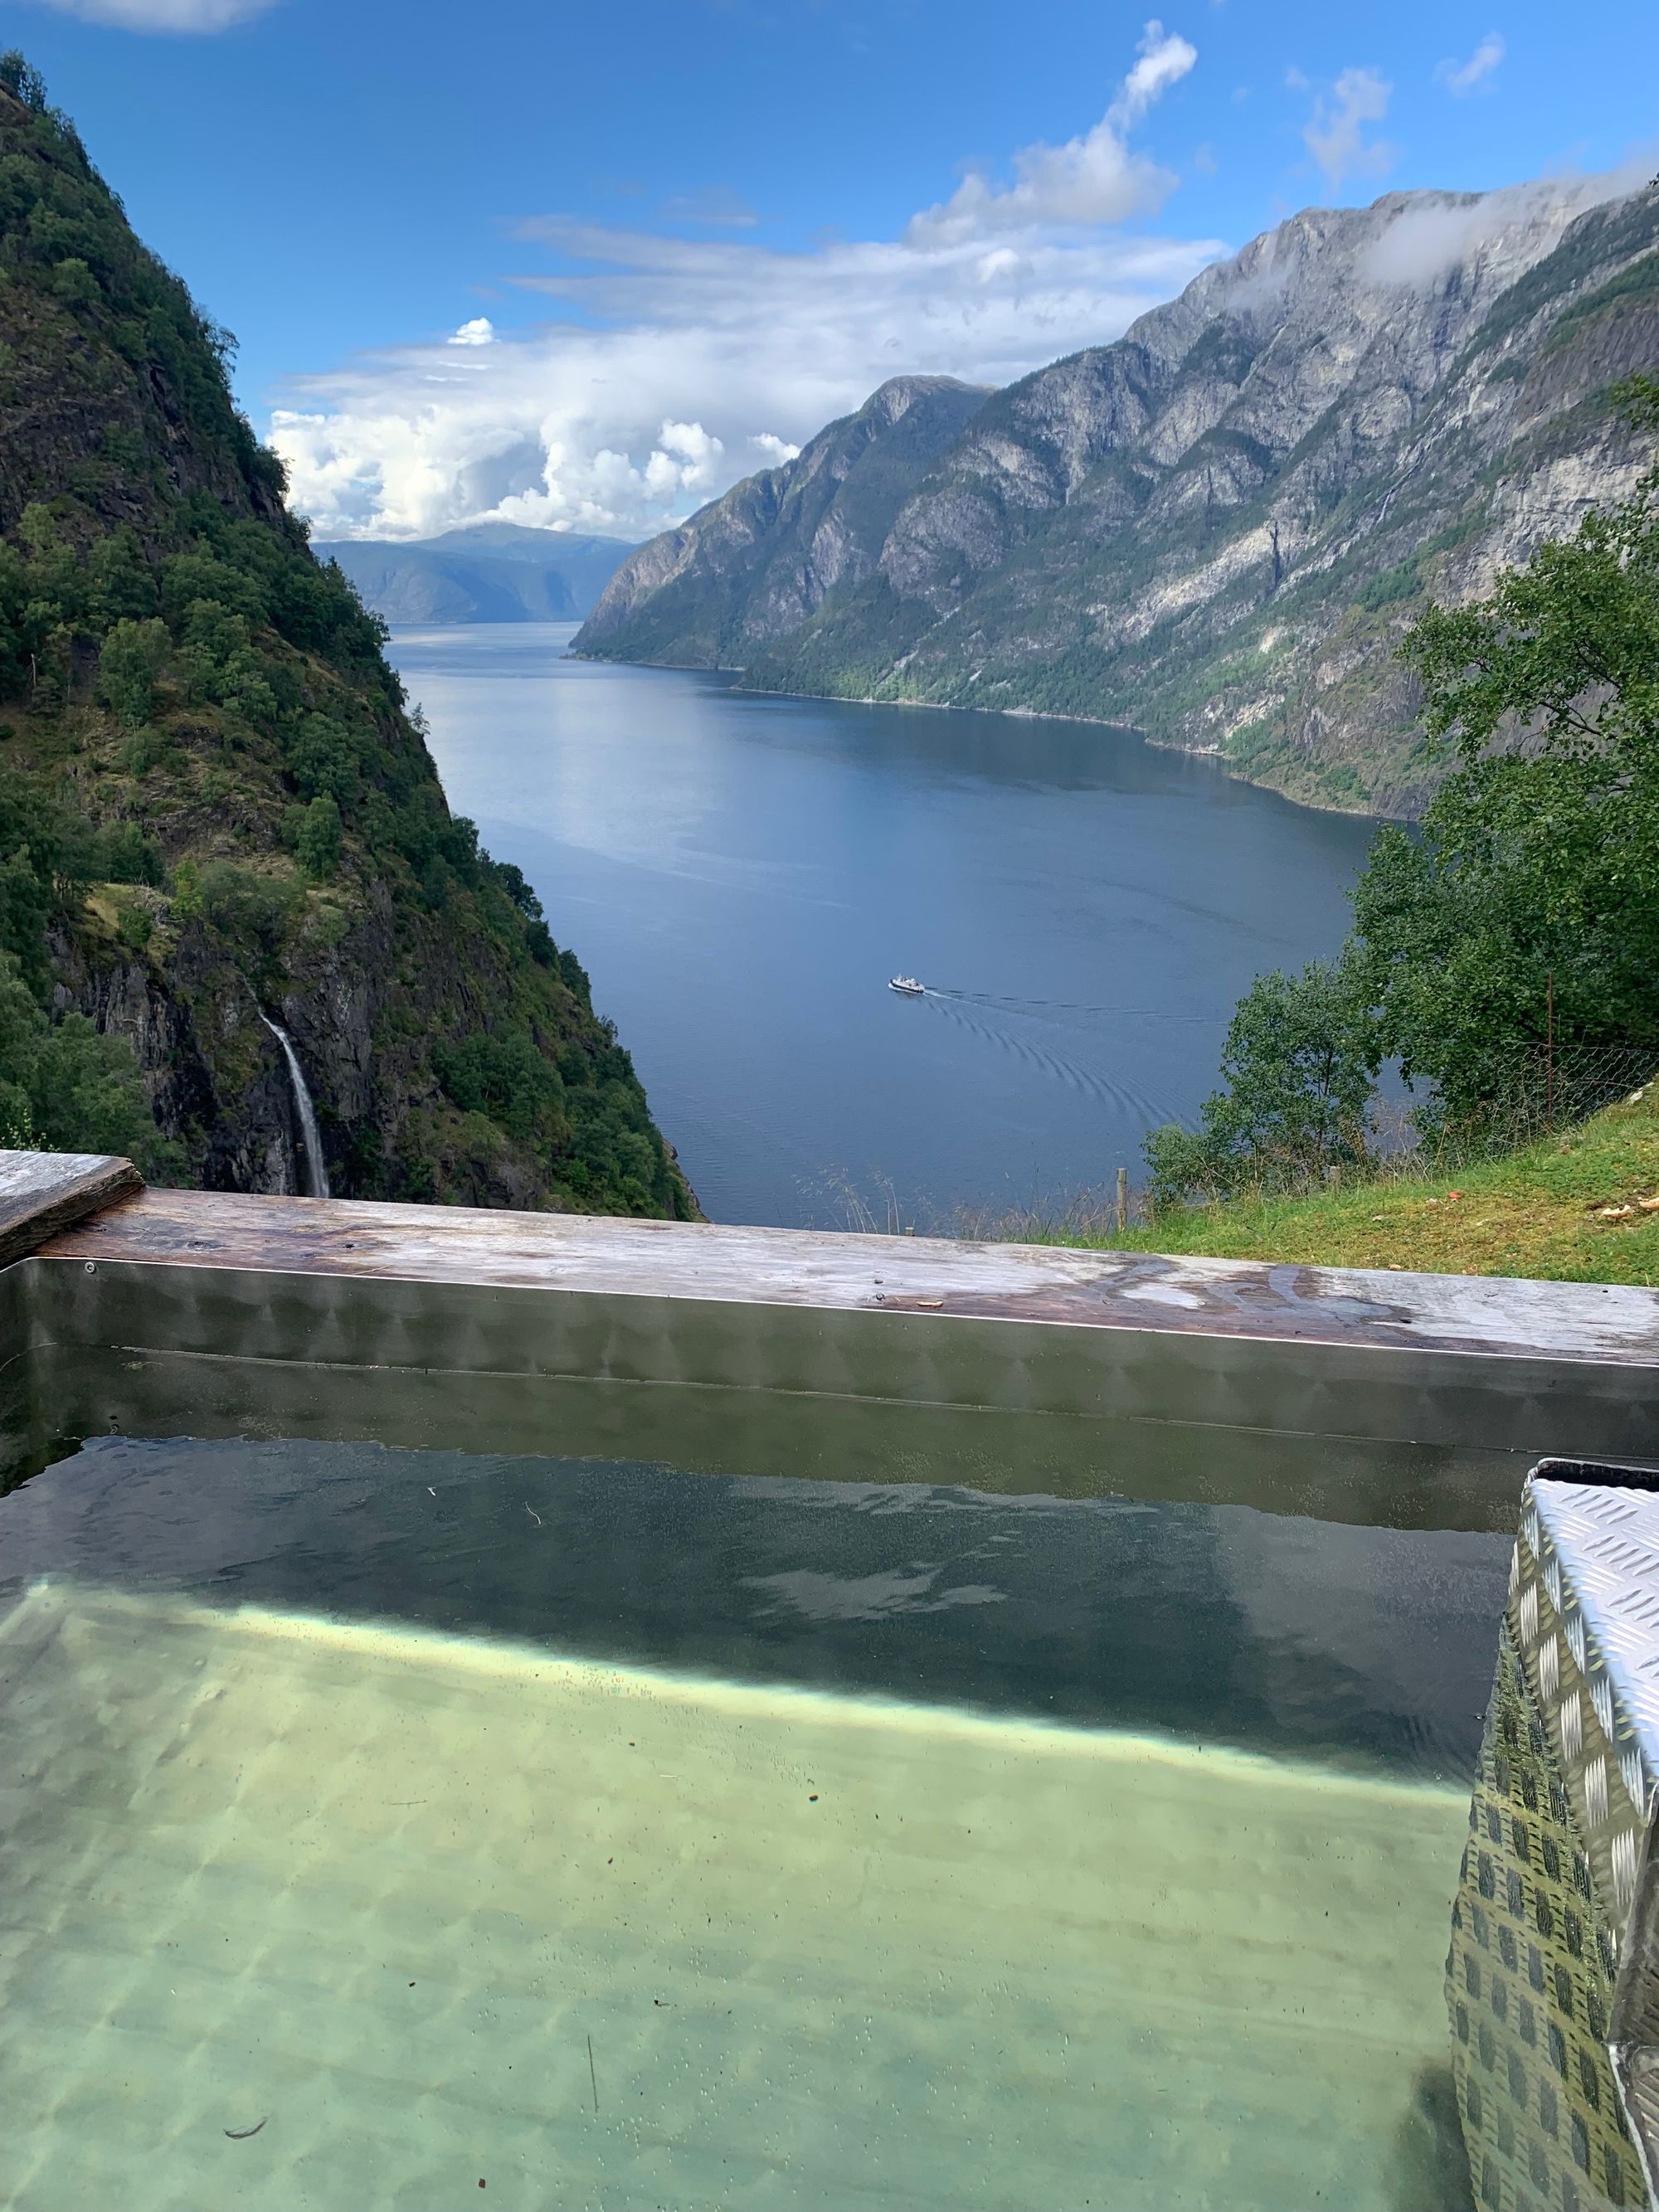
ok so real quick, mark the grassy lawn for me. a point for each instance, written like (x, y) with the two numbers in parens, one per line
(1543, 1212)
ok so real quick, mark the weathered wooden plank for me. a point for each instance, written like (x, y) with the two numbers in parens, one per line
(914, 1275)
(41, 1193)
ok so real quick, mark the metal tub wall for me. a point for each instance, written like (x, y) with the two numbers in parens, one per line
(1399, 1435)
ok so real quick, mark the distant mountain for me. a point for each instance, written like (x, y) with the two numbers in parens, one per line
(491, 572)
(1217, 528)
(754, 565)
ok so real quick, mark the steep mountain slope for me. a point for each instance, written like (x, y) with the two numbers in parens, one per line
(490, 572)
(756, 563)
(213, 803)
(1218, 527)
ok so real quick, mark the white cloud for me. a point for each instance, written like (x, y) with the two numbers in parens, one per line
(1165, 58)
(187, 15)
(1095, 179)
(686, 458)
(1335, 134)
(1460, 78)
(479, 331)
(1000, 261)
(671, 366)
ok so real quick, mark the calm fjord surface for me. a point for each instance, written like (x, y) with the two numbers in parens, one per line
(743, 874)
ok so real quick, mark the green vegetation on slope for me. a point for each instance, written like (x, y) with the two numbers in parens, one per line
(1506, 956)
(1580, 1207)
(212, 799)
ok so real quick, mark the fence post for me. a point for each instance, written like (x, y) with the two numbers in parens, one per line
(1549, 1050)
(1122, 1199)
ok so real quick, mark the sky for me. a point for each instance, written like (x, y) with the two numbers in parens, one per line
(583, 266)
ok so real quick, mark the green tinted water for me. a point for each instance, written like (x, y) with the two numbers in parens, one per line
(437, 1913)
(630, 1840)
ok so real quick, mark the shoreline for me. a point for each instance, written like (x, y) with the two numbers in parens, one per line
(1012, 714)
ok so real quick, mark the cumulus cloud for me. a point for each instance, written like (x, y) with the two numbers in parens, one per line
(563, 424)
(686, 458)
(1095, 179)
(1460, 78)
(671, 366)
(185, 16)
(479, 331)
(1335, 133)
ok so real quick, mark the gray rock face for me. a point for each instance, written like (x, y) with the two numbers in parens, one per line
(1219, 527)
(758, 563)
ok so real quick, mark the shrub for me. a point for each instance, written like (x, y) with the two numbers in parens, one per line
(134, 929)
(242, 904)
(123, 854)
(25, 905)
(65, 1088)
(506, 1077)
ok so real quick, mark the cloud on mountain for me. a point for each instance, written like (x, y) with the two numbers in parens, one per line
(1435, 234)
(669, 364)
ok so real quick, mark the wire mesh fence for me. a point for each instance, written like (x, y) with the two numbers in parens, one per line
(1532, 1091)
(1532, 1088)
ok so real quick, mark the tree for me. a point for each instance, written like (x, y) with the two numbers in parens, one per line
(1531, 898)
(317, 845)
(121, 581)
(1299, 1064)
(130, 666)
(322, 759)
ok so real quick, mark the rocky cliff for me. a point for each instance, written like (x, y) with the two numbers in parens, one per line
(1218, 528)
(213, 805)
(753, 567)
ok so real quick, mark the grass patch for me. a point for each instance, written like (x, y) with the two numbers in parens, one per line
(1539, 1212)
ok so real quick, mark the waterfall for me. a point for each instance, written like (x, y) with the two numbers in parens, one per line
(311, 1140)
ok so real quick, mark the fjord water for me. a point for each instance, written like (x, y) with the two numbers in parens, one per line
(610, 1836)
(742, 874)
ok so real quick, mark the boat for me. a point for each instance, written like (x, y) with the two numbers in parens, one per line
(909, 985)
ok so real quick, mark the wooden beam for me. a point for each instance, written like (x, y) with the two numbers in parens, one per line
(1604, 1322)
(41, 1193)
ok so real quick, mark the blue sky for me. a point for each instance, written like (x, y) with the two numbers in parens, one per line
(686, 232)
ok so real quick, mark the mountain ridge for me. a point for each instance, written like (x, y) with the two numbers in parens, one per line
(1217, 528)
(481, 572)
(215, 804)
(764, 556)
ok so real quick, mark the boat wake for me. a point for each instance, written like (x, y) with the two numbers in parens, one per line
(962, 1012)
(1040, 1006)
